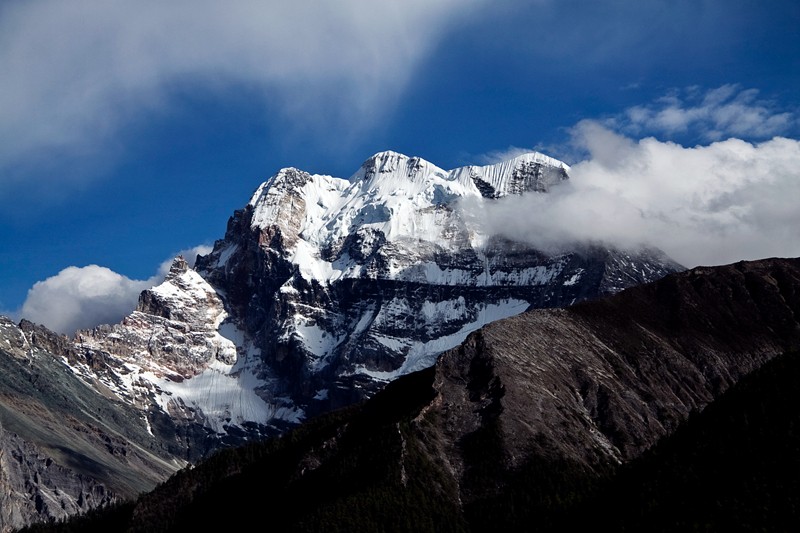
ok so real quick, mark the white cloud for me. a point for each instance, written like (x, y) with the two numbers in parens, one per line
(84, 297)
(81, 298)
(727, 111)
(714, 204)
(76, 73)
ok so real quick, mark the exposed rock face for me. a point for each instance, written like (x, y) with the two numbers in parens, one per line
(33, 487)
(64, 446)
(174, 330)
(180, 360)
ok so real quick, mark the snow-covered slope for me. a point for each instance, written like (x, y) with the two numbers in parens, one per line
(400, 200)
(180, 352)
(325, 288)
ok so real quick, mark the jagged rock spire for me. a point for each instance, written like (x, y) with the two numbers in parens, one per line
(178, 267)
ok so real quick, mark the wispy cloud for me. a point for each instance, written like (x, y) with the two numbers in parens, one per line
(700, 115)
(76, 73)
(84, 297)
(714, 204)
(716, 114)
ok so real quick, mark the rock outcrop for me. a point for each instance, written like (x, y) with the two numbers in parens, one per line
(65, 447)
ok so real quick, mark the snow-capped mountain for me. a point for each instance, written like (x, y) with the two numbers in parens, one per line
(325, 288)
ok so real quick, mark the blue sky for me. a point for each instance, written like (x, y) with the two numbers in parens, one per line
(130, 131)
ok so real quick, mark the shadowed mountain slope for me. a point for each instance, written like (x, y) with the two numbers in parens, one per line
(64, 448)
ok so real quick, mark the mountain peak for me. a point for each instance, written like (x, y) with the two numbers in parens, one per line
(534, 157)
(528, 172)
(385, 155)
(178, 267)
(287, 178)
(390, 165)
(531, 171)
(388, 157)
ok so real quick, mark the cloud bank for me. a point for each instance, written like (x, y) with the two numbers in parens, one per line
(712, 115)
(84, 297)
(76, 73)
(714, 204)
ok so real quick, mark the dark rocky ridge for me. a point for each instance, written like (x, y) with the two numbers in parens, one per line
(606, 379)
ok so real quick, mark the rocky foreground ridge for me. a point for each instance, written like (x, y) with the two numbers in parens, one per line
(66, 447)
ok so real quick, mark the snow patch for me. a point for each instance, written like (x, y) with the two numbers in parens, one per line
(575, 277)
(322, 394)
(317, 340)
(223, 395)
(424, 354)
(226, 254)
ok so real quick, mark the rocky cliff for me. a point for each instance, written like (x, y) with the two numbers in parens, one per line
(65, 447)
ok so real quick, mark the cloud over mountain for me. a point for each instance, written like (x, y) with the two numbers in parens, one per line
(715, 114)
(714, 204)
